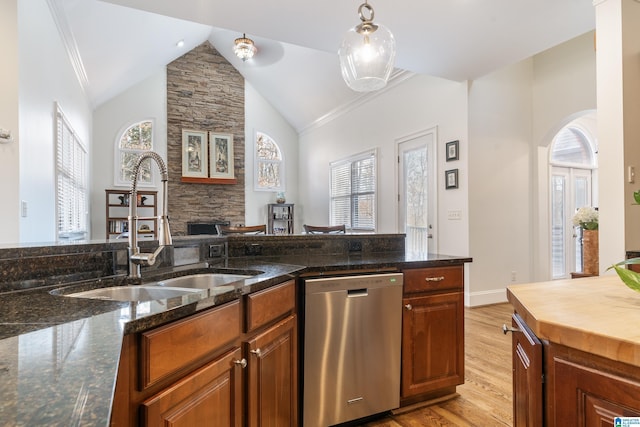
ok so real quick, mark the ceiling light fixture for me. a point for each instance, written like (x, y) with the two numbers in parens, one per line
(244, 48)
(367, 53)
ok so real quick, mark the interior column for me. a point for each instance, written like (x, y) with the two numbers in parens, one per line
(618, 95)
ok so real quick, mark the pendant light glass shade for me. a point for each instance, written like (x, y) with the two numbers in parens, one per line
(244, 48)
(367, 54)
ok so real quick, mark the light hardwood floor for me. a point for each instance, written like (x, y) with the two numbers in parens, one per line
(485, 398)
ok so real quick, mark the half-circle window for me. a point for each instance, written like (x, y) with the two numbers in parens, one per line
(571, 147)
(133, 141)
(269, 174)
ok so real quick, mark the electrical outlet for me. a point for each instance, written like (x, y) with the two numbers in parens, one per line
(355, 245)
(513, 276)
(253, 249)
(216, 251)
(454, 215)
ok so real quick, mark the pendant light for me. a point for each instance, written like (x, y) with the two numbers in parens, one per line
(367, 53)
(244, 48)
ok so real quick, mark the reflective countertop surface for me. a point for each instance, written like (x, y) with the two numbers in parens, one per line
(59, 355)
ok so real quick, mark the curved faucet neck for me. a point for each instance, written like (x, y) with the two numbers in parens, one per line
(137, 258)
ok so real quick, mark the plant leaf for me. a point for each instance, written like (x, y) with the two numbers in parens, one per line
(629, 277)
(636, 196)
(627, 262)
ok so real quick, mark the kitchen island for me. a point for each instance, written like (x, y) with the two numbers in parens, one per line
(59, 355)
(576, 351)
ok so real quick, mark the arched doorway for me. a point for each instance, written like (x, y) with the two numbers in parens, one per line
(573, 165)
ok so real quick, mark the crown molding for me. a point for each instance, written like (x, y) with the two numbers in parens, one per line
(397, 77)
(60, 19)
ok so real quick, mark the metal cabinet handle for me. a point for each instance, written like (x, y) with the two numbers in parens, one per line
(257, 352)
(242, 362)
(408, 307)
(434, 279)
(506, 329)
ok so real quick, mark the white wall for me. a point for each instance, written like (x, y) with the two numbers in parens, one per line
(564, 87)
(145, 100)
(9, 153)
(500, 118)
(46, 77)
(414, 105)
(261, 116)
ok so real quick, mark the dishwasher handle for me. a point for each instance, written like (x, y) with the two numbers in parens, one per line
(352, 293)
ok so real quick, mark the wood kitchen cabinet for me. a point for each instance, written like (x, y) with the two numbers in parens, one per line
(232, 365)
(432, 333)
(209, 396)
(554, 385)
(527, 375)
(272, 376)
(272, 357)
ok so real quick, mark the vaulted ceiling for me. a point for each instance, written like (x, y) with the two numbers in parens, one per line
(121, 42)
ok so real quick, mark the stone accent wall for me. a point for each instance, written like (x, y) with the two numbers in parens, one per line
(204, 93)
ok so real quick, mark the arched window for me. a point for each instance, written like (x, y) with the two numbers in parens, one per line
(269, 174)
(571, 147)
(133, 141)
(574, 166)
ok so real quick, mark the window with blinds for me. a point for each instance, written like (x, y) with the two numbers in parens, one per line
(353, 192)
(71, 181)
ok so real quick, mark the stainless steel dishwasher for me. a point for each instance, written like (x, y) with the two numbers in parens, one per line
(352, 338)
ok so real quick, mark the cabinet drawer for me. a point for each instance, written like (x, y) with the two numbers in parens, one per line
(269, 304)
(432, 279)
(169, 348)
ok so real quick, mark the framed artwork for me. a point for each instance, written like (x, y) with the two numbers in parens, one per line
(452, 150)
(194, 154)
(451, 179)
(221, 155)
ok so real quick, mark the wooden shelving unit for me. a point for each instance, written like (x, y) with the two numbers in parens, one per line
(280, 218)
(117, 205)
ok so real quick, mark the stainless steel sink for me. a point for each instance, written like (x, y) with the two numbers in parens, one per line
(135, 293)
(203, 280)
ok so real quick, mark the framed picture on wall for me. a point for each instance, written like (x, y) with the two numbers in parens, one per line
(194, 154)
(451, 179)
(452, 150)
(221, 155)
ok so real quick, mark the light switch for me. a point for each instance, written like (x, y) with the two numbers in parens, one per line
(632, 174)
(23, 208)
(454, 215)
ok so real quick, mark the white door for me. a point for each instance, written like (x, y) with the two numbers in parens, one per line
(570, 190)
(417, 192)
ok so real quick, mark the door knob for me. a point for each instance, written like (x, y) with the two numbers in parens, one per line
(242, 362)
(257, 352)
(408, 307)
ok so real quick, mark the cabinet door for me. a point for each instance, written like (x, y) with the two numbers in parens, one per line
(527, 376)
(210, 396)
(432, 343)
(273, 376)
(590, 397)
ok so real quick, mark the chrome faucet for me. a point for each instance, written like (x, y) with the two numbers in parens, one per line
(136, 258)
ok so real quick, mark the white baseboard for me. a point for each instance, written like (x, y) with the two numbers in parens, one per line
(494, 296)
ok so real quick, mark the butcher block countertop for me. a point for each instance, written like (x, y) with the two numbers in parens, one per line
(598, 315)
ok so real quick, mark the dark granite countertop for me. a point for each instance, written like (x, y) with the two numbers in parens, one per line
(59, 355)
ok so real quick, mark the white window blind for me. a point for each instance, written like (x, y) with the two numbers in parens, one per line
(71, 181)
(353, 192)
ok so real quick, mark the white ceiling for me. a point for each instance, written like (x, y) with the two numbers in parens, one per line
(121, 42)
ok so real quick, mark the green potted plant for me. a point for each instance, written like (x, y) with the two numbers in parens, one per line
(629, 277)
